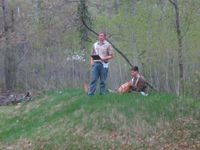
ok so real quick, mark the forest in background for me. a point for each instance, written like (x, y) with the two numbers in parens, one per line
(45, 46)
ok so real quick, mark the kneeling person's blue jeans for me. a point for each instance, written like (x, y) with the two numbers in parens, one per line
(98, 71)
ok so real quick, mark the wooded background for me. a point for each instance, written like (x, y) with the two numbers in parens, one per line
(44, 44)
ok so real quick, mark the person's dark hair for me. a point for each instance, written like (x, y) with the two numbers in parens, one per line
(135, 68)
(103, 33)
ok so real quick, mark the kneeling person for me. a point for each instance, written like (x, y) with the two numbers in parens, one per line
(137, 83)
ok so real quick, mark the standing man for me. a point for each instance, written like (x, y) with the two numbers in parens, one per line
(99, 68)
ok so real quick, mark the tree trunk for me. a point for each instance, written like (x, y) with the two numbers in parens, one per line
(83, 13)
(9, 55)
(116, 6)
(180, 83)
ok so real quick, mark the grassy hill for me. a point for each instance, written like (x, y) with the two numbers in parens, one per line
(70, 120)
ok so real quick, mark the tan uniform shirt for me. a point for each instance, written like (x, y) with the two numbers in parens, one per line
(102, 49)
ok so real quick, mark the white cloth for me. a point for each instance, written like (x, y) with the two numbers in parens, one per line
(105, 65)
(137, 79)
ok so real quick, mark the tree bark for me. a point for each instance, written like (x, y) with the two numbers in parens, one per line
(180, 83)
(9, 55)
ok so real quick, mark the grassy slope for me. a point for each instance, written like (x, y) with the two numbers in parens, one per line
(72, 120)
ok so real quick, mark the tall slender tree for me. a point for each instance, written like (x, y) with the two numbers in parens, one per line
(83, 13)
(10, 65)
(180, 85)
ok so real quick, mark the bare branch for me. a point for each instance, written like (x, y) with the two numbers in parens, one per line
(23, 57)
(173, 3)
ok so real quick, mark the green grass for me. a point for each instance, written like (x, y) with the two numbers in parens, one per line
(70, 119)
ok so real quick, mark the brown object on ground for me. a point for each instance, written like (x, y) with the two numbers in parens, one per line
(15, 98)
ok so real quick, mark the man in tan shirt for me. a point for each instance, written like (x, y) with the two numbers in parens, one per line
(99, 69)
